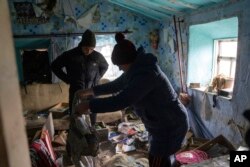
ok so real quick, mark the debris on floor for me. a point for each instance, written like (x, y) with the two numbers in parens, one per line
(124, 142)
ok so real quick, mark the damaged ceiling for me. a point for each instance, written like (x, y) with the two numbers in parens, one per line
(165, 9)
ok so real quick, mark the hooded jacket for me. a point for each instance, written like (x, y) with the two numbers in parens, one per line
(81, 71)
(145, 87)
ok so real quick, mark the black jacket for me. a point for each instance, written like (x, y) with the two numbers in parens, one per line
(81, 71)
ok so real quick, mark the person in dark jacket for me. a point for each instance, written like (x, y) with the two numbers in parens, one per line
(84, 67)
(144, 86)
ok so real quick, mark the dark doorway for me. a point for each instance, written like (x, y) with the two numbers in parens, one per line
(36, 67)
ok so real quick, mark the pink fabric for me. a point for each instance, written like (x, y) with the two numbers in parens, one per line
(192, 156)
(46, 139)
(41, 156)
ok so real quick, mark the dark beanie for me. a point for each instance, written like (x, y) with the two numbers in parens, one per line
(124, 51)
(88, 39)
(119, 37)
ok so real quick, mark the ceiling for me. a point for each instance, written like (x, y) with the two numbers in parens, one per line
(165, 9)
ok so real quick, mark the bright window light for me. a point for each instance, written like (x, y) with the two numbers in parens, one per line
(226, 52)
(105, 45)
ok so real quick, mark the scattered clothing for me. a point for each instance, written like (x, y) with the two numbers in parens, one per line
(82, 139)
(40, 155)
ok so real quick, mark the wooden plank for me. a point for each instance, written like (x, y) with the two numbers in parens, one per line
(136, 11)
(59, 110)
(220, 140)
(156, 5)
(13, 139)
(185, 4)
(58, 124)
(3, 152)
(61, 124)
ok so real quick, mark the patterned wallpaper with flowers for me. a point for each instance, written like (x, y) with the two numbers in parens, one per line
(173, 60)
(73, 16)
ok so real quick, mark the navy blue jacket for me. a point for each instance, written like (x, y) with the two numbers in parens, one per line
(81, 71)
(145, 87)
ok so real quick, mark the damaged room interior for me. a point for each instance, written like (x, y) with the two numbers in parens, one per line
(124, 83)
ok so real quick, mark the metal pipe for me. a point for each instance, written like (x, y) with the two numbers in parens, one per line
(65, 34)
(178, 54)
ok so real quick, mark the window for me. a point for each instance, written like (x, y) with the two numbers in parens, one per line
(105, 45)
(226, 52)
(212, 54)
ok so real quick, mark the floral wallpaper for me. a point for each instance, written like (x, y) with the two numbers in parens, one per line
(168, 55)
(71, 16)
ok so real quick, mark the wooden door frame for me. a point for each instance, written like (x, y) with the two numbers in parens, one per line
(13, 139)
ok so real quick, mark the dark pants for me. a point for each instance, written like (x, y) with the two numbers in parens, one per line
(162, 161)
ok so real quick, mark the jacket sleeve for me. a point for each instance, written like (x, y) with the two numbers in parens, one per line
(137, 89)
(110, 87)
(57, 67)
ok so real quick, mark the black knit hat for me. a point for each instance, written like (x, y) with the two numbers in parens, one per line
(124, 51)
(88, 39)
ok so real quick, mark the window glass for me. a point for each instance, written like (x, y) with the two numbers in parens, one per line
(228, 48)
(224, 67)
(105, 45)
(226, 57)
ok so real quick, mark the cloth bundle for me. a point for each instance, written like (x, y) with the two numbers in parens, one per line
(123, 160)
(40, 155)
(82, 138)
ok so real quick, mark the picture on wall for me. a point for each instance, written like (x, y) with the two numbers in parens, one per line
(27, 15)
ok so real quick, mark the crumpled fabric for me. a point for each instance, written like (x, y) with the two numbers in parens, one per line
(123, 160)
(40, 155)
(206, 109)
(191, 156)
(77, 138)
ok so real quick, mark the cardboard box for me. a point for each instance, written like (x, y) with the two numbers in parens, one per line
(102, 131)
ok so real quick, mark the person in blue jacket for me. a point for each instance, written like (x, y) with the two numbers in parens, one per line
(144, 86)
(84, 67)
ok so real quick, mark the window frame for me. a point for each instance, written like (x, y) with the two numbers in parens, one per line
(218, 57)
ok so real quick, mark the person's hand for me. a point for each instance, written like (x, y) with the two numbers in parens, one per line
(82, 108)
(82, 94)
(184, 98)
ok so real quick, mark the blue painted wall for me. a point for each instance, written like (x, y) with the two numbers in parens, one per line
(111, 18)
(201, 46)
(227, 118)
(167, 54)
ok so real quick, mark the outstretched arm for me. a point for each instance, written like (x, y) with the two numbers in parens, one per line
(137, 89)
(103, 89)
